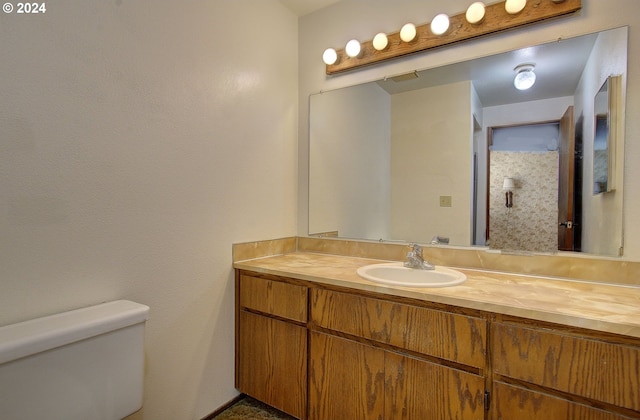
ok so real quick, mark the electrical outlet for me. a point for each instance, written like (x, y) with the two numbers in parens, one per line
(445, 201)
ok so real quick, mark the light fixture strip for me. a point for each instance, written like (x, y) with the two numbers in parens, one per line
(496, 20)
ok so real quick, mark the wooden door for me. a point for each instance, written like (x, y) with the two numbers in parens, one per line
(566, 174)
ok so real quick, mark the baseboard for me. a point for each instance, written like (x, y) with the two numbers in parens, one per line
(224, 407)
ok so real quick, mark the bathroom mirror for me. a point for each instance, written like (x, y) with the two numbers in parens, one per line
(406, 158)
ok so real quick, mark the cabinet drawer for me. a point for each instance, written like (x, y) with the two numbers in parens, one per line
(454, 337)
(586, 367)
(512, 402)
(277, 298)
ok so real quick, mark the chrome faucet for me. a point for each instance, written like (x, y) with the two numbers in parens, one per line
(416, 260)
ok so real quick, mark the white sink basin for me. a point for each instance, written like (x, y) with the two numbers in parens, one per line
(397, 274)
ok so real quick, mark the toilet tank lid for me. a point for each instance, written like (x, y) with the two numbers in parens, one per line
(41, 334)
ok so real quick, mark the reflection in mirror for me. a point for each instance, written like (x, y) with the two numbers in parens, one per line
(605, 110)
(408, 158)
(601, 140)
(528, 155)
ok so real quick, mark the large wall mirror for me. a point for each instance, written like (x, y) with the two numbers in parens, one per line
(413, 157)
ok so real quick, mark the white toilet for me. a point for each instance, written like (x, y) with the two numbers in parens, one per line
(85, 364)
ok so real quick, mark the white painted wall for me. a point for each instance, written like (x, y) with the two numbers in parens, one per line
(138, 141)
(350, 146)
(335, 25)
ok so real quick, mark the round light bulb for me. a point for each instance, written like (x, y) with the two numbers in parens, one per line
(408, 32)
(380, 41)
(475, 13)
(353, 48)
(440, 24)
(330, 56)
(514, 6)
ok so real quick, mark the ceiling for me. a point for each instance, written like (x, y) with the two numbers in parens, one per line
(303, 7)
(558, 68)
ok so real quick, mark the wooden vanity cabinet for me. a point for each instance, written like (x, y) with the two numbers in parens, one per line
(554, 373)
(271, 342)
(328, 353)
(378, 359)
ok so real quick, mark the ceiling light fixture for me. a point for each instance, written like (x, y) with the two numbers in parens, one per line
(525, 77)
(440, 24)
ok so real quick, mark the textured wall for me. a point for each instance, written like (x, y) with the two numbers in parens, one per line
(532, 223)
(138, 141)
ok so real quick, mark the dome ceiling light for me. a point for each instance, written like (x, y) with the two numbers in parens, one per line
(525, 77)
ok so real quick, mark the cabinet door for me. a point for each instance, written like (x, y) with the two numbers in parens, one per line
(586, 367)
(346, 379)
(416, 389)
(272, 357)
(515, 403)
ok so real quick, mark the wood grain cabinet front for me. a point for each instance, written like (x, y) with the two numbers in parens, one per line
(512, 402)
(321, 352)
(445, 335)
(420, 389)
(346, 379)
(271, 342)
(274, 297)
(366, 362)
(588, 376)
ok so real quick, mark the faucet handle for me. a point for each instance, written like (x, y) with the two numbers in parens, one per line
(417, 249)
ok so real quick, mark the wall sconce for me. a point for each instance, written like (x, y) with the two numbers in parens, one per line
(479, 20)
(525, 77)
(508, 185)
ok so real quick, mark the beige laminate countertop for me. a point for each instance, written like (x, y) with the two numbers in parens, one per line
(597, 306)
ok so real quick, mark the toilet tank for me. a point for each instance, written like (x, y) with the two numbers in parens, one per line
(78, 365)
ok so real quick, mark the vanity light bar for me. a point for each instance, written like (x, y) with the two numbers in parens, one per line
(496, 19)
